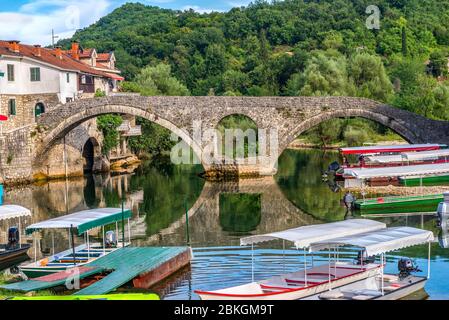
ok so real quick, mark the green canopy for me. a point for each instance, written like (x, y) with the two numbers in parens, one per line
(83, 220)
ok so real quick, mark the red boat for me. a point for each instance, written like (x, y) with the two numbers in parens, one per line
(393, 156)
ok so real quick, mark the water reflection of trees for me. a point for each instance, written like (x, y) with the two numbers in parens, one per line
(300, 179)
(240, 213)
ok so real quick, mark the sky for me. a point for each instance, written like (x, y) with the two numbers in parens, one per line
(31, 21)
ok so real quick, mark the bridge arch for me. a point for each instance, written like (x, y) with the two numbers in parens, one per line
(389, 122)
(77, 118)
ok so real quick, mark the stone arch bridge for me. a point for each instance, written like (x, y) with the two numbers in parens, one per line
(290, 116)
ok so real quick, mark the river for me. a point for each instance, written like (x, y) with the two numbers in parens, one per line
(219, 214)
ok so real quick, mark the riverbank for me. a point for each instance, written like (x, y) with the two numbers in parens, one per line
(400, 191)
(306, 144)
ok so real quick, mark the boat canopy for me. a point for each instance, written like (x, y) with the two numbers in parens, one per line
(392, 148)
(380, 241)
(13, 211)
(83, 220)
(401, 171)
(384, 159)
(425, 155)
(302, 237)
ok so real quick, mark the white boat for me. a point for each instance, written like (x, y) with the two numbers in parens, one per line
(79, 223)
(359, 280)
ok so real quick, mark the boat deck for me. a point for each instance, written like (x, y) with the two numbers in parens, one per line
(315, 276)
(124, 265)
(50, 281)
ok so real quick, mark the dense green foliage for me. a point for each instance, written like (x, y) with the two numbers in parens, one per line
(292, 47)
(108, 125)
(352, 132)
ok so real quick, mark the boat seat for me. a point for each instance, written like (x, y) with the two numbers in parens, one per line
(392, 287)
(361, 297)
(390, 278)
(332, 295)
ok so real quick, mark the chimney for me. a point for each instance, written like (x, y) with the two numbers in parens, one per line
(75, 50)
(14, 46)
(58, 52)
(37, 51)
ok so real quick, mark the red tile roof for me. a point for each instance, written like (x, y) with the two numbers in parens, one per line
(86, 53)
(104, 57)
(49, 56)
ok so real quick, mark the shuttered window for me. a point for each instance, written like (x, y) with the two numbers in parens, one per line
(35, 74)
(12, 107)
(11, 76)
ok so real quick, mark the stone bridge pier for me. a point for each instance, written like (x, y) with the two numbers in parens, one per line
(287, 117)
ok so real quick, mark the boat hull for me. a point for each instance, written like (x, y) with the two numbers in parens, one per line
(12, 254)
(404, 292)
(293, 294)
(40, 269)
(399, 204)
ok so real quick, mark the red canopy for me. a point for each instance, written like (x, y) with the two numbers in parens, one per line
(3, 118)
(393, 148)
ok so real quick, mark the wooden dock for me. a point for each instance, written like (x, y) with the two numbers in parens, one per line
(144, 266)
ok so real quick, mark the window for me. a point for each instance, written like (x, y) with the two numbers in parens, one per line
(83, 79)
(35, 74)
(68, 77)
(39, 109)
(10, 72)
(12, 107)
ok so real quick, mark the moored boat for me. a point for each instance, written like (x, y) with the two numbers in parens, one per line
(428, 172)
(362, 279)
(399, 204)
(79, 223)
(14, 248)
(389, 156)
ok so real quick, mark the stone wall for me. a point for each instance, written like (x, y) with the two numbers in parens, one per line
(25, 105)
(65, 158)
(16, 155)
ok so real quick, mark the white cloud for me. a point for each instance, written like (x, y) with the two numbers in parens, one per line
(238, 4)
(31, 26)
(199, 9)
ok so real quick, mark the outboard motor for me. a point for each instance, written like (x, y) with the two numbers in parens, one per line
(13, 238)
(362, 258)
(406, 266)
(443, 211)
(110, 239)
(333, 167)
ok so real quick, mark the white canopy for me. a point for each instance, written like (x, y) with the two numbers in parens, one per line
(401, 171)
(380, 241)
(302, 237)
(13, 211)
(425, 155)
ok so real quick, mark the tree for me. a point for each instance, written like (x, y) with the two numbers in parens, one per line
(108, 125)
(157, 80)
(324, 75)
(368, 74)
(438, 64)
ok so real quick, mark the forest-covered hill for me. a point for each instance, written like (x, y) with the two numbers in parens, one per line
(293, 47)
